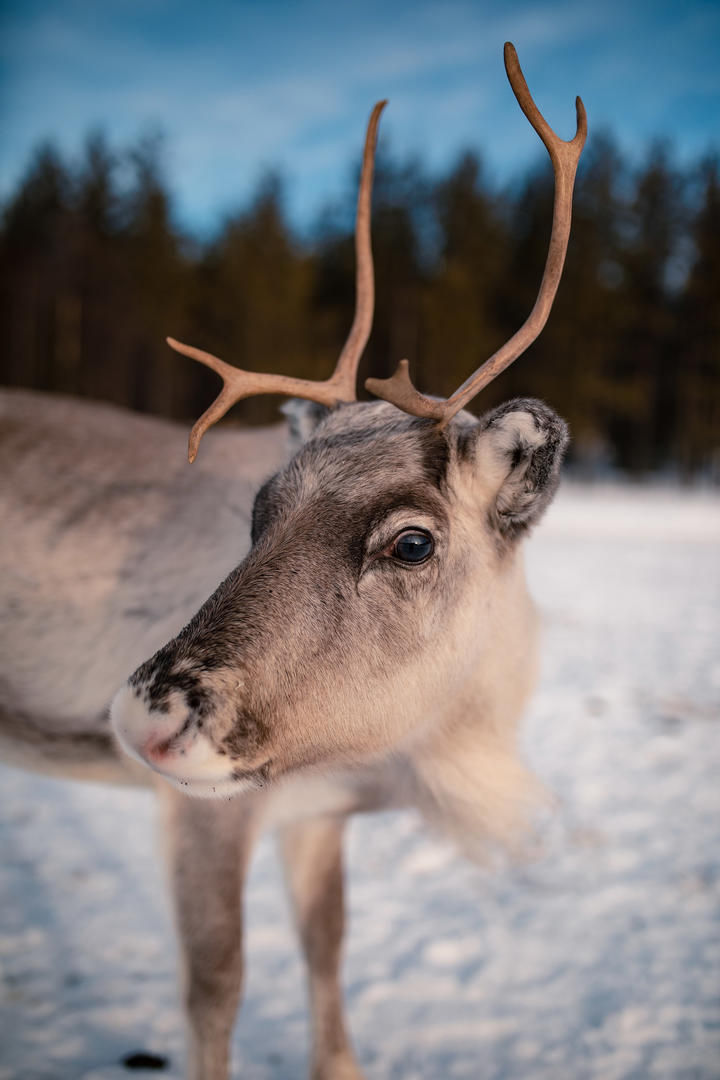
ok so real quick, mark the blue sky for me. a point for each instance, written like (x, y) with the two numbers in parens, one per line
(239, 86)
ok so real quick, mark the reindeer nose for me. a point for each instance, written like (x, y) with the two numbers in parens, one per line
(146, 735)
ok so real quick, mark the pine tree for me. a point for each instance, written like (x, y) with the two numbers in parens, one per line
(34, 259)
(697, 356)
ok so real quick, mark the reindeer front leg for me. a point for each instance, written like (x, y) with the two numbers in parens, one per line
(209, 844)
(312, 858)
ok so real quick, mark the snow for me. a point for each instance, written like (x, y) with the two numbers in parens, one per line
(598, 958)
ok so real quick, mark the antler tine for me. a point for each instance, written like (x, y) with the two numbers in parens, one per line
(349, 359)
(239, 384)
(340, 387)
(564, 156)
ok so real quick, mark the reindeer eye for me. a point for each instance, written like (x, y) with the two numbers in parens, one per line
(412, 546)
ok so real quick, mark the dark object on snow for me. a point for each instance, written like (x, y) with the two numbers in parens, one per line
(141, 1059)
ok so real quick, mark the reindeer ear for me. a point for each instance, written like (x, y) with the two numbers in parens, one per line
(519, 449)
(303, 418)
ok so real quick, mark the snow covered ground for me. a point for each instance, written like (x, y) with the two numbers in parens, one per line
(599, 959)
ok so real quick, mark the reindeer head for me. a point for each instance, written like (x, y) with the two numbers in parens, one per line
(382, 598)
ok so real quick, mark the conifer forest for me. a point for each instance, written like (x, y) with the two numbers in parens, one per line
(96, 271)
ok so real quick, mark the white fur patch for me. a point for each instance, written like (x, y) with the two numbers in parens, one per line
(191, 763)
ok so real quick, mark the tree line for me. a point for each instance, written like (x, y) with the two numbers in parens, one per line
(95, 272)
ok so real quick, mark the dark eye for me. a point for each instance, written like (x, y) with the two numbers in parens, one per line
(412, 546)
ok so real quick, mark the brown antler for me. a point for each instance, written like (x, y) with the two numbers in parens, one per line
(238, 384)
(564, 156)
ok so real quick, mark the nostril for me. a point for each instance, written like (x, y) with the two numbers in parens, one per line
(156, 749)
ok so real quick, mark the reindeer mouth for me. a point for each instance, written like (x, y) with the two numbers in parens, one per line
(188, 776)
(193, 765)
(225, 787)
(179, 771)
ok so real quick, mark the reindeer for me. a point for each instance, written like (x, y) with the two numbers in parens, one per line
(371, 644)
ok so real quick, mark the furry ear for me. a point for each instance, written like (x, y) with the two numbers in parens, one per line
(519, 449)
(303, 418)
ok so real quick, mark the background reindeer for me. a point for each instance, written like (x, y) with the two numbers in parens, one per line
(373, 647)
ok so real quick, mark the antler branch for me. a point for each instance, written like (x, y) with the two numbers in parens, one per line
(564, 156)
(340, 387)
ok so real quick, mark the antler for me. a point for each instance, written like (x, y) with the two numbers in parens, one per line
(340, 387)
(564, 156)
